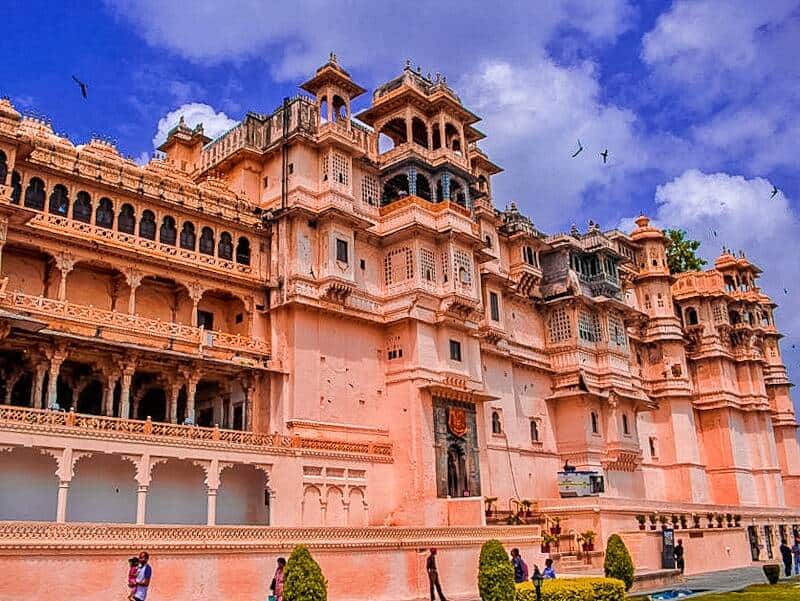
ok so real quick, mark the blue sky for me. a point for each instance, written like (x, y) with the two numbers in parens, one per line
(695, 100)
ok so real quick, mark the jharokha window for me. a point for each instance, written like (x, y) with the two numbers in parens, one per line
(207, 241)
(82, 211)
(168, 233)
(126, 222)
(105, 214)
(59, 201)
(225, 249)
(147, 226)
(34, 194)
(188, 237)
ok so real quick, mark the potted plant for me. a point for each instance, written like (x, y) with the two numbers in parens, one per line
(641, 519)
(514, 519)
(526, 507)
(555, 528)
(547, 541)
(695, 521)
(737, 519)
(710, 517)
(653, 518)
(719, 518)
(683, 521)
(587, 540)
(729, 519)
(489, 501)
(663, 519)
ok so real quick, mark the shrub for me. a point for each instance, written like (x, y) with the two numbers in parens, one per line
(495, 573)
(574, 589)
(303, 579)
(772, 572)
(618, 563)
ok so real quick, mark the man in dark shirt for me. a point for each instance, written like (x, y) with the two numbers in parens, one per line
(678, 551)
(786, 555)
(433, 576)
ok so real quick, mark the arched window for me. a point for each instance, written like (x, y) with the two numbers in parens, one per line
(451, 138)
(488, 241)
(423, 187)
(207, 241)
(104, 216)
(392, 134)
(243, 251)
(59, 201)
(595, 426)
(419, 132)
(3, 167)
(82, 211)
(396, 187)
(436, 137)
(691, 316)
(497, 426)
(16, 188)
(147, 226)
(457, 193)
(534, 431)
(625, 427)
(225, 248)
(734, 317)
(126, 222)
(34, 194)
(188, 237)
(168, 233)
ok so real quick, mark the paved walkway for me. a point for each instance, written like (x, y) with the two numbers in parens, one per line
(727, 580)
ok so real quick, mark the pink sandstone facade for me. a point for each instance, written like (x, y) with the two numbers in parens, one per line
(321, 330)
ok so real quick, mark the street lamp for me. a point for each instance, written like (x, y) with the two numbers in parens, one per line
(537, 583)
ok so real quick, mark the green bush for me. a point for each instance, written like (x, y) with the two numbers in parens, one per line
(574, 589)
(618, 563)
(495, 573)
(773, 572)
(303, 579)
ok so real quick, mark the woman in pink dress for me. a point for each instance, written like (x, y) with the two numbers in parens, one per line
(277, 582)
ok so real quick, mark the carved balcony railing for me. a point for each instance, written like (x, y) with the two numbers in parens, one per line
(95, 426)
(88, 231)
(440, 216)
(135, 328)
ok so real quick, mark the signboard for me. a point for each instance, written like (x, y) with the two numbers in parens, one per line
(580, 484)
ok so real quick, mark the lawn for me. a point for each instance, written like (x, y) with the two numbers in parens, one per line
(783, 591)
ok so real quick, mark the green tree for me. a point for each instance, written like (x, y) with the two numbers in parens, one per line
(495, 573)
(682, 252)
(303, 579)
(618, 563)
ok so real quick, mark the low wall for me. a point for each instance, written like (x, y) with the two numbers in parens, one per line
(88, 561)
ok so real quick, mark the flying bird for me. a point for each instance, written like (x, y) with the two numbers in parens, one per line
(774, 191)
(714, 232)
(580, 149)
(604, 154)
(785, 291)
(83, 86)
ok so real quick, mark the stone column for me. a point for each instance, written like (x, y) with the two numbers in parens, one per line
(191, 377)
(195, 293)
(212, 507)
(272, 518)
(11, 381)
(56, 355)
(141, 503)
(133, 277)
(248, 387)
(411, 174)
(39, 371)
(219, 416)
(3, 234)
(61, 504)
(231, 413)
(128, 370)
(65, 262)
(212, 484)
(174, 391)
(445, 187)
(108, 395)
(409, 130)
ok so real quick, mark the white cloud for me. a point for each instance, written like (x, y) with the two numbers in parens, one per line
(744, 217)
(214, 123)
(142, 159)
(535, 113)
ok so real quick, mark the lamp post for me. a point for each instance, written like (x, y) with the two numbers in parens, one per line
(537, 583)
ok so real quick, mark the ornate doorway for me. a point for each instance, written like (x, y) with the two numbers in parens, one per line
(456, 444)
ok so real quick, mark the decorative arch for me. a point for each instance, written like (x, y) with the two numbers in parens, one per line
(168, 232)
(419, 132)
(103, 489)
(394, 188)
(357, 512)
(82, 210)
(243, 251)
(458, 192)
(188, 236)
(207, 241)
(312, 506)
(29, 486)
(16, 188)
(243, 495)
(424, 187)
(225, 247)
(147, 226)
(392, 134)
(436, 137)
(59, 201)
(452, 138)
(104, 216)
(35, 194)
(178, 493)
(340, 108)
(126, 222)
(334, 507)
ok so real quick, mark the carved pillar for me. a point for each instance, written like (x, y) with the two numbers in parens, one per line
(191, 377)
(218, 418)
(3, 233)
(212, 507)
(135, 405)
(411, 174)
(445, 187)
(127, 370)
(61, 503)
(10, 382)
(66, 464)
(212, 469)
(76, 392)
(141, 502)
(248, 386)
(57, 354)
(39, 370)
(409, 130)
(175, 390)
(195, 293)
(231, 413)
(65, 262)
(134, 279)
(108, 394)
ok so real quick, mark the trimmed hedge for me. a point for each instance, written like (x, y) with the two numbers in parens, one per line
(574, 589)
(303, 579)
(618, 563)
(495, 573)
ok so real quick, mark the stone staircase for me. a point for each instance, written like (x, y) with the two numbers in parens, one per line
(572, 564)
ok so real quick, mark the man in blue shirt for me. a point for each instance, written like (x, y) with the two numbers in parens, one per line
(143, 577)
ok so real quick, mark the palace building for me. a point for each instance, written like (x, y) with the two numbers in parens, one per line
(323, 328)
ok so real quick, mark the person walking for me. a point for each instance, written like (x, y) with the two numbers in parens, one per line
(678, 552)
(796, 553)
(433, 576)
(786, 555)
(143, 577)
(520, 567)
(277, 580)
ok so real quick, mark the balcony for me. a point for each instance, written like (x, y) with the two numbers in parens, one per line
(115, 327)
(41, 421)
(353, 136)
(439, 217)
(434, 158)
(603, 284)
